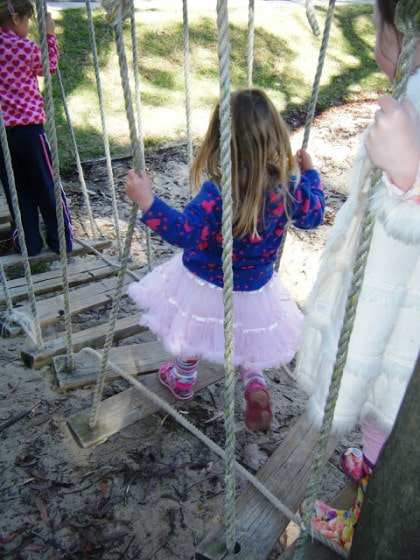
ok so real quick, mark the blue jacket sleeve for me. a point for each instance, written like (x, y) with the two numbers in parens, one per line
(199, 221)
(309, 201)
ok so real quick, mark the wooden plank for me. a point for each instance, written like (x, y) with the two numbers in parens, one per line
(5, 216)
(94, 337)
(51, 310)
(131, 358)
(123, 409)
(13, 261)
(259, 524)
(80, 273)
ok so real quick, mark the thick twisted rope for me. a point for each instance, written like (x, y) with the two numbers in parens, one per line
(314, 97)
(310, 14)
(318, 74)
(140, 139)
(30, 324)
(110, 172)
(187, 80)
(52, 136)
(406, 15)
(138, 157)
(250, 43)
(93, 226)
(226, 187)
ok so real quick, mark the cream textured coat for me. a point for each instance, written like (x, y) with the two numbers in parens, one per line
(385, 340)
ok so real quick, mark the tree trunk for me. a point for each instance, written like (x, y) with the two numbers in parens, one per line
(389, 523)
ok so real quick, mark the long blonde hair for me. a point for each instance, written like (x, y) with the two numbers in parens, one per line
(261, 157)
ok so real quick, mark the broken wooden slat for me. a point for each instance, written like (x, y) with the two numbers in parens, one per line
(259, 524)
(94, 337)
(131, 358)
(122, 410)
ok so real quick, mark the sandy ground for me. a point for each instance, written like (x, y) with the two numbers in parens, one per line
(151, 491)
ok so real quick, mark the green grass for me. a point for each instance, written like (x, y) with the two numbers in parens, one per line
(285, 60)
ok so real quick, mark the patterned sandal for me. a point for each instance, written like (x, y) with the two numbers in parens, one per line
(169, 378)
(351, 461)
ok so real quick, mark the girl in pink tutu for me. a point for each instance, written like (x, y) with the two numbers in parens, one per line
(182, 299)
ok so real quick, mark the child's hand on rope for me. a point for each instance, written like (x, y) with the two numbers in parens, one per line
(303, 160)
(139, 189)
(393, 142)
(49, 24)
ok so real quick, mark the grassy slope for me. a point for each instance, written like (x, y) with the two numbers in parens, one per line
(285, 59)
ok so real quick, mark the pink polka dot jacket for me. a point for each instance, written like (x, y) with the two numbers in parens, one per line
(197, 230)
(20, 66)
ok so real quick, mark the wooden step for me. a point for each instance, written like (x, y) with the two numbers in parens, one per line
(259, 524)
(82, 272)
(134, 359)
(94, 337)
(5, 217)
(13, 261)
(85, 298)
(129, 406)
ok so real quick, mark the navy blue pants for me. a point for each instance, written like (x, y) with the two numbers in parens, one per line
(32, 169)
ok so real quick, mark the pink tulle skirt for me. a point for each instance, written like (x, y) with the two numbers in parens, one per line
(186, 314)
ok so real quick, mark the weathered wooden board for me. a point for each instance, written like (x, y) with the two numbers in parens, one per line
(259, 524)
(51, 310)
(12, 261)
(94, 337)
(123, 409)
(80, 273)
(4, 211)
(131, 358)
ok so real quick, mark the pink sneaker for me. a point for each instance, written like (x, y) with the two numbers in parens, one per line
(351, 461)
(258, 414)
(168, 377)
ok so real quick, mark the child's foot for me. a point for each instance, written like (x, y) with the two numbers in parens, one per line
(258, 414)
(168, 377)
(351, 460)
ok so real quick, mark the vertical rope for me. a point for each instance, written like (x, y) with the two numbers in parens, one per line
(225, 161)
(310, 14)
(33, 330)
(104, 126)
(250, 42)
(318, 74)
(51, 134)
(138, 158)
(314, 98)
(187, 81)
(93, 226)
(404, 22)
(139, 124)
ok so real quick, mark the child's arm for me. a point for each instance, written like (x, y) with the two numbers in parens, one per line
(393, 142)
(49, 24)
(139, 189)
(52, 49)
(309, 199)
